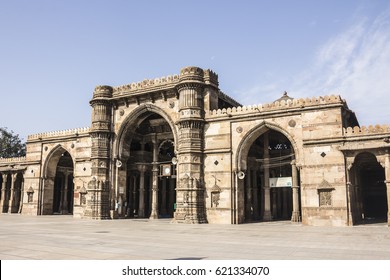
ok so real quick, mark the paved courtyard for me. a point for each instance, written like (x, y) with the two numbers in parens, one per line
(63, 237)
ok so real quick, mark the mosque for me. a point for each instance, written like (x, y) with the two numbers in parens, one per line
(179, 148)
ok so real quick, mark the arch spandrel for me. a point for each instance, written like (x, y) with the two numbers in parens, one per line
(134, 118)
(247, 139)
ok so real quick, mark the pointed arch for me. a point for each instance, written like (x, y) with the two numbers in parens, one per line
(134, 118)
(57, 190)
(249, 138)
(253, 197)
(53, 156)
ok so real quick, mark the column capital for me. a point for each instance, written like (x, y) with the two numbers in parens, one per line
(14, 175)
(141, 168)
(154, 139)
(4, 175)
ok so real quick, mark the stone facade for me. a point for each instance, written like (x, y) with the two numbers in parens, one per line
(178, 147)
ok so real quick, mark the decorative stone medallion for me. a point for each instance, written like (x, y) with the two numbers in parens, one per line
(292, 123)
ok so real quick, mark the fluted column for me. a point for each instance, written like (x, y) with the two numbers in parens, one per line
(3, 192)
(154, 213)
(296, 216)
(267, 196)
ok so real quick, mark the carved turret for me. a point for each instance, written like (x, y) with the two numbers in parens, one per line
(190, 191)
(211, 78)
(190, 93)
(101, 109)
(191, 73)
(98, 201)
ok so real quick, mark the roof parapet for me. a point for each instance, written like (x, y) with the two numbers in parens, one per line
(366, 130)
(147, 84)
(66, 132)
(187, 73)
(277, 105)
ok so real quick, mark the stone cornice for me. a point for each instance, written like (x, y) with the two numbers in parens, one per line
(12, 160)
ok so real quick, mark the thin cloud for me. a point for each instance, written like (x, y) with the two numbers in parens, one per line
(355, 64)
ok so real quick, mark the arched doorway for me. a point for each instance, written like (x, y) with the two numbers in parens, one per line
(269, 189)
(369, 190)
(58, 190)
(147, 177)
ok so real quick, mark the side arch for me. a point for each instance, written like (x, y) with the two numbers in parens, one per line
(54, 155)
(368, 191)
(54, 189)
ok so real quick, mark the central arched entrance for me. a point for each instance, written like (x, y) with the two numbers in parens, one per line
(269, 190)
(147, 178)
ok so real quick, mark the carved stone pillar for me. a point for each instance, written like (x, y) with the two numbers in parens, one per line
(141, 206)
(154, 213)
(295, 216)
(3, 192)
(191, 189)
(267, 196)
(21, 197)
(12, 192)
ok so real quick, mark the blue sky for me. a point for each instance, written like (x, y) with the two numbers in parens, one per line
(53, 53)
